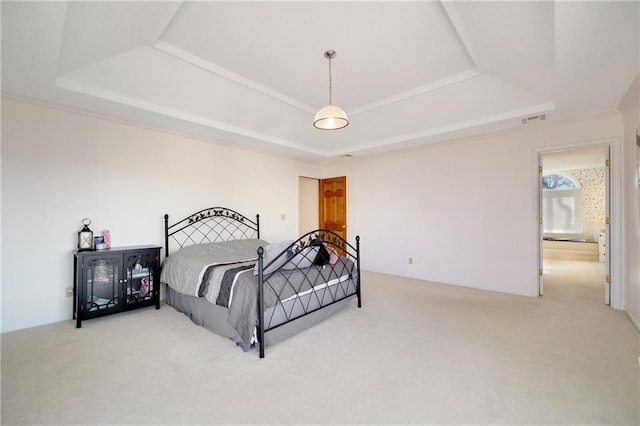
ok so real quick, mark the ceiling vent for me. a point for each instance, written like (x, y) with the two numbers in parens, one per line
(540, 117)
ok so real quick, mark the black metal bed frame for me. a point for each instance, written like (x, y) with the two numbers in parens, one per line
(209, 226)
(328, 239)
(222, 224)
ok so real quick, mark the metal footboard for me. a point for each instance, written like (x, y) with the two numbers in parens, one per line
(321, 285)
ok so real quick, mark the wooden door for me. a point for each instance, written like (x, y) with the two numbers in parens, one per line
(333, 205)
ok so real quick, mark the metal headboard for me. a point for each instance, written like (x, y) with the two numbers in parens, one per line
(209, 226)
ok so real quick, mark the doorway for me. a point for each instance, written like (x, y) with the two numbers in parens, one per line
(333, 205)
(322, 204)
(574, 231)
(307, 204)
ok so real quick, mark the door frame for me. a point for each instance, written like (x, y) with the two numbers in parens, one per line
(614, 237)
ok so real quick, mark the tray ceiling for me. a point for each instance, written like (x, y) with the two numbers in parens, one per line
(253, 73)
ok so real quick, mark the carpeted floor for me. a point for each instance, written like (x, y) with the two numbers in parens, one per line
(416, 353)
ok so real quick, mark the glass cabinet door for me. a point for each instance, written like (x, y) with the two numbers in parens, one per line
(102, 283)
(140, 276)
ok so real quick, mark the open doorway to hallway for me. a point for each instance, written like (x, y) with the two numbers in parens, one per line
(574, 194)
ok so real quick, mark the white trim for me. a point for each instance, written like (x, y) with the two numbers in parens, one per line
(222, 72)
(463, 125)
(177, 114)
(431, 87)
(539, 282)
(633, 320)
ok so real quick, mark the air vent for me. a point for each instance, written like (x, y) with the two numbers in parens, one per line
(540, 117)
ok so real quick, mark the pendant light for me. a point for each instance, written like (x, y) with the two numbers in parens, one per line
(330, 117)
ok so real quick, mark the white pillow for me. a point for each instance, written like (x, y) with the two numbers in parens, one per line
(272, 251)
(302, 259)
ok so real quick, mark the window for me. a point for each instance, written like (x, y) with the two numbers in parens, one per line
(561, 204)
(557, 181)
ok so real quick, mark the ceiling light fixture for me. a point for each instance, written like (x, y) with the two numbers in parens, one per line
(330, 117)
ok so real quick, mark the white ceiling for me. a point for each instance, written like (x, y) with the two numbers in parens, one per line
(253, 73)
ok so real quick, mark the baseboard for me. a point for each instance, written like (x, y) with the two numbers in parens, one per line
(635, 323)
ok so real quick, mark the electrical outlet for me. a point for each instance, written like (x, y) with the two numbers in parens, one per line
(411, 261)
(69, 291)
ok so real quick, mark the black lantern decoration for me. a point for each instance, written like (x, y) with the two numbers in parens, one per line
(85, 236)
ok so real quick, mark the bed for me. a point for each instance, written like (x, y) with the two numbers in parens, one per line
(222, 275)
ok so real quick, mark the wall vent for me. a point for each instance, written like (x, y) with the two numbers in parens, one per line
(540, 117)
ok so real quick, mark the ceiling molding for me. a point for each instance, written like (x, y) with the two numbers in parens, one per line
(179, 114)
(425, 135)
(180, 54)
(456, 21)
(453, 79)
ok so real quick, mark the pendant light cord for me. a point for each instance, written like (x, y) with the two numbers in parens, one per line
(330, 84)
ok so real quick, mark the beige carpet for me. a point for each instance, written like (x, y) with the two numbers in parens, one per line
(417, 352)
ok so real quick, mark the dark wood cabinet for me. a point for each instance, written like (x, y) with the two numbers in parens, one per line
(115, 280)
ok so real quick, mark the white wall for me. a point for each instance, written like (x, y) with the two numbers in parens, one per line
(59, 166)
(631, 202)
(465, 212)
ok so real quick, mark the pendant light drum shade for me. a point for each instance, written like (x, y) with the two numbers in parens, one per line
(331, 117)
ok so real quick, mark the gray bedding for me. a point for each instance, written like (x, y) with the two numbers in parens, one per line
(183, 270)
(280, 286)
(229, 280)
(214, 317)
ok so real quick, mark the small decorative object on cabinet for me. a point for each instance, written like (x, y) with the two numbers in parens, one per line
(85, 236)
(107, 238)
(115, 280)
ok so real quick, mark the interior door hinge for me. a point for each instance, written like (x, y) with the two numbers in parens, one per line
(539, 221)
(608, 221)
(608, 279)
(540, 272)
(540, 169)
(607, 162)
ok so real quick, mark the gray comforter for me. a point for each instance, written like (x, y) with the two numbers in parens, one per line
(278, 287)
(184, 270)
(223, 274)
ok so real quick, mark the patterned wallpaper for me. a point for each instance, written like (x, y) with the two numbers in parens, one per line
(593, 192)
